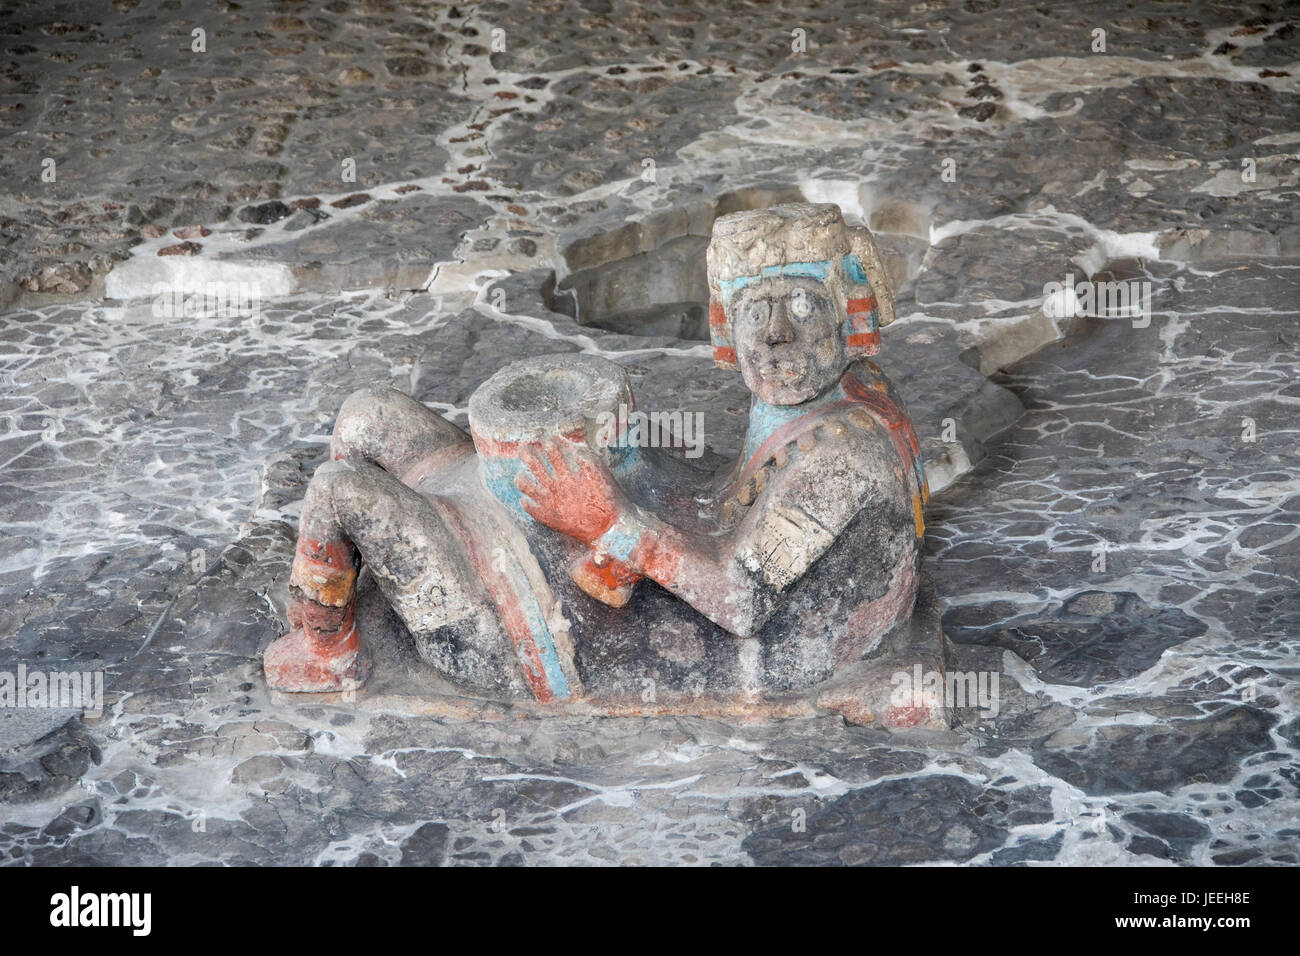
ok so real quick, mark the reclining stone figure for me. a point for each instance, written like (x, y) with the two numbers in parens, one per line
(517, 555)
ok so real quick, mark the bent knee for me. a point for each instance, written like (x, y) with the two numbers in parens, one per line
(369, 399)
(346, 478)
(390, 428)
(360, 425)
(318, 520)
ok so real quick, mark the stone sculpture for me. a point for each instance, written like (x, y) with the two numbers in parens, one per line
(517, 556)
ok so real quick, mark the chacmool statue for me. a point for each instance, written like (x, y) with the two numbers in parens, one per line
(548, 555)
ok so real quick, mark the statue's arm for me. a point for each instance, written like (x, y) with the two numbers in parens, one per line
(738, 579)
(741, 578)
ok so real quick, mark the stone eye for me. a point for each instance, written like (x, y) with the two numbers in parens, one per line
(757, 311)
(800, 304)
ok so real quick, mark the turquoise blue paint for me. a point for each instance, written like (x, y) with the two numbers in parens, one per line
(764, 419)
(624, 459)
(853, 270)
(850, 265)
(499, 477)
(619, 542)
(537, 626)
(807, 270)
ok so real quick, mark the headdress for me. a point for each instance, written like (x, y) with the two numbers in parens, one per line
(808, 240)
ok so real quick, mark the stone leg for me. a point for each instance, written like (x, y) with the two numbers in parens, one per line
(392, 430)
(381, 435)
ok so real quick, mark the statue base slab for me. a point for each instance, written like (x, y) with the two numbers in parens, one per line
(886, 688)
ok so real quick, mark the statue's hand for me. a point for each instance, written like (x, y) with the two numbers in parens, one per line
(576, 495)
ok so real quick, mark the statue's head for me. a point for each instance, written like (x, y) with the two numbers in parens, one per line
(795, 296)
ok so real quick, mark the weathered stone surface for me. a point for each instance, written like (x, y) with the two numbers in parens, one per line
(43, 752)
(1126, 758)
(897, 823)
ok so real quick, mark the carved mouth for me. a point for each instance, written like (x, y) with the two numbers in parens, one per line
(786, 368)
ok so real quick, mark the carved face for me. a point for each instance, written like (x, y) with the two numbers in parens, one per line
(787, 333)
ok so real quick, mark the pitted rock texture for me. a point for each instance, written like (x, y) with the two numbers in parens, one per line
(516, 103)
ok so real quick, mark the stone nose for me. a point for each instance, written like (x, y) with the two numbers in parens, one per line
(780, 330)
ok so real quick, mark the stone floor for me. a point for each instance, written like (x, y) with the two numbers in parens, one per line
(1114, 531)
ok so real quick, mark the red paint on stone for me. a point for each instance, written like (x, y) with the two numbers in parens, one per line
(181, 249)
(906, 716)
(876, 617)
(864, 343)
(347, 202)
(506, 602)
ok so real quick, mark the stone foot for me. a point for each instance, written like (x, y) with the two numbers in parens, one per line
(300, 663)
